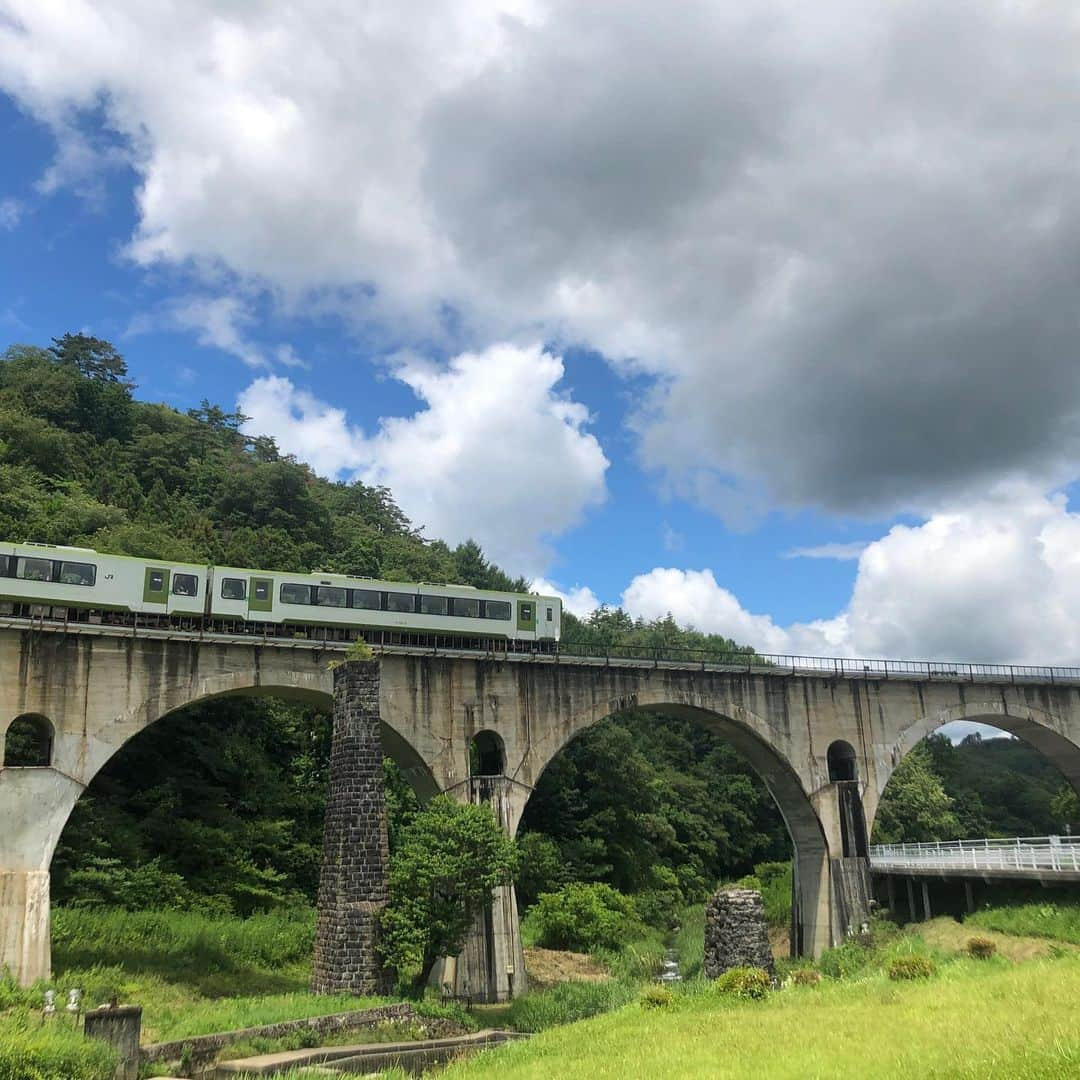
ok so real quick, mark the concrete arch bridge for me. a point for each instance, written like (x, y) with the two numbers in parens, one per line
(825, 736)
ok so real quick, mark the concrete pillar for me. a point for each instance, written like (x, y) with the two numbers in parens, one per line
(926, 900)
(969, 896)
(354, 885)
(914, 915)
(491, 967)
(890, 884)
(34, 806)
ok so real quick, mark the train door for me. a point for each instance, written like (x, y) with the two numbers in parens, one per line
(526, 618)
(260, 598)
(156, 589)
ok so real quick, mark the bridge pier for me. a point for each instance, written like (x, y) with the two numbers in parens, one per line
(354, 883)
(491, 967)
(34, 805)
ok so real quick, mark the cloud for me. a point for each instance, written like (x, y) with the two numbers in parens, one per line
(219, 322)
(997, 581)
(495, 453)
(580, 600)
(841, 552)
(11, 211)
(840, 238)
(304, 426)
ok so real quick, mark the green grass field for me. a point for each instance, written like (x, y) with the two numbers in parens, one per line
(974, 1019)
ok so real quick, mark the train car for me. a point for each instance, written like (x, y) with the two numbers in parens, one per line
(48, 575)
(53, 581)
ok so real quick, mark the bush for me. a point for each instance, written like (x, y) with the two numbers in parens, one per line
(805, 977)
(657, 997)
(565, 1003)
(845, 960)
(585, 918)
(911, 967)
(773, 881)
(981, 948)
(52, 1053)
(744, 982)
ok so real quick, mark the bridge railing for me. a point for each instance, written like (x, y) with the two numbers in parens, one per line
(1017, 855)
(825, 666)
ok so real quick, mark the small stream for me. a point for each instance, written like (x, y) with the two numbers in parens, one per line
(670, 973)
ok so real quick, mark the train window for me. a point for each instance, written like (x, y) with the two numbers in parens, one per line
(526, 612)
(185, 585)
(550, 614)
(466, 607)
(4, 563)
(368, 599)
(155, 582)
(497, 609)
(262, 591)
(330, 597)
(234, 588)
(296, 594)
(399, 601)
(78, 573)
(35, 569)
(434, 605)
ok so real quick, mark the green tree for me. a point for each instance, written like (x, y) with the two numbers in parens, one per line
(448, 859)
(1065, 807)
(915, 807)
(90, 356)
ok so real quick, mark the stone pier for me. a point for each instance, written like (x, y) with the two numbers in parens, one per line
(353, 888)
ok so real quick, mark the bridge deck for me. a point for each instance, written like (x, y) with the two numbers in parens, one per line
(1042, 858)
(615, 656)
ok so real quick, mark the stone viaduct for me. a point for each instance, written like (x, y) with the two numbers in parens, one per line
(825, 744)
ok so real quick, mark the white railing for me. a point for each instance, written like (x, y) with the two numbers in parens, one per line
(1019, 855)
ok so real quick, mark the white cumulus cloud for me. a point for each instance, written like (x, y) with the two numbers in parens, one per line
(495, 452)
(996, 581)
(579, 600)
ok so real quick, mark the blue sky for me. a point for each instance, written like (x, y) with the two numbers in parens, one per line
(663, 311)
(63, 267)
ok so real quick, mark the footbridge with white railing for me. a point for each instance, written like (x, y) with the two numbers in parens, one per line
(1041, 858)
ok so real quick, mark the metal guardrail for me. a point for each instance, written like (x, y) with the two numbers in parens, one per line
(1018, 855)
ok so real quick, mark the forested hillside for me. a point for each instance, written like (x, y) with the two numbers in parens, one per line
(221, 806)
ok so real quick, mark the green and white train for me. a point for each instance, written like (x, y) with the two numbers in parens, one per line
(81, 585)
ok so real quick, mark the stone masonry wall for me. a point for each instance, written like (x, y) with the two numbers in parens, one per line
(353, 888)
(736, 934)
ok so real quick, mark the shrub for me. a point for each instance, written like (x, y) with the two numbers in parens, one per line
(585, 918)
(744, 982)
(845, 960)
(911, 967)
(28, 1053)
(981, 948)
(657, 997)
(805, 977)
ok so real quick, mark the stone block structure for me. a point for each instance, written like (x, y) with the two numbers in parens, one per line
(353, 888)
(121, 1027)
(736, 934)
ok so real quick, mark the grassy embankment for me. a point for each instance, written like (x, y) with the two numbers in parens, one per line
(193, 974)
(1008, 1016)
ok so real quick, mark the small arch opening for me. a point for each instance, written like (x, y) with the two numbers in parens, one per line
(28, 743)
(487, 755)
(843, 763)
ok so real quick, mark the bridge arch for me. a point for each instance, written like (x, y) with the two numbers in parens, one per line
(1041, 725)
(750, 736)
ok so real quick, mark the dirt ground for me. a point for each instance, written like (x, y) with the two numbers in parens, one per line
(547, 967)
(949, 935)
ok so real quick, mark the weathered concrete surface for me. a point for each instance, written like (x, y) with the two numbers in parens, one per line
(99, 691)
